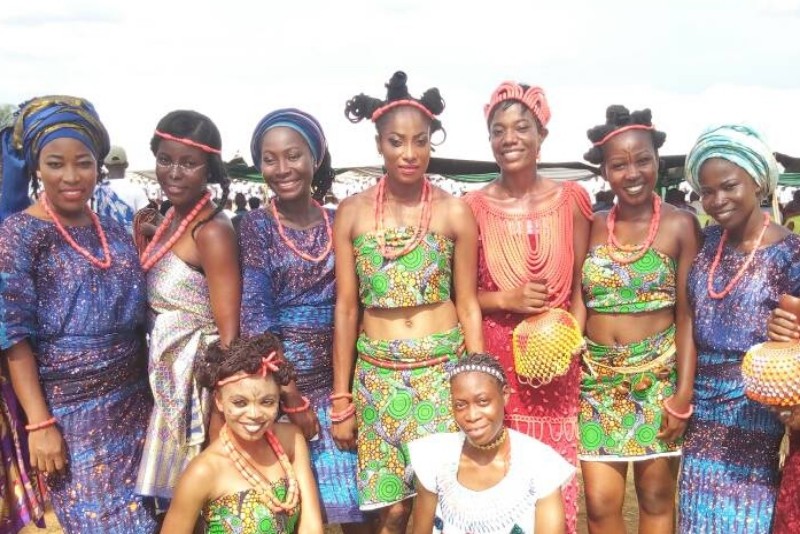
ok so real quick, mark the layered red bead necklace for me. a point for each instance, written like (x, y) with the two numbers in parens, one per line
(256, 479)
(294, 248)
(632, 253)
(392, 249)
(148, 259)
(105, 263)
(728, 288)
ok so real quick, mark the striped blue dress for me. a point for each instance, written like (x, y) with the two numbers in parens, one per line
(729, 479)
(294, 298)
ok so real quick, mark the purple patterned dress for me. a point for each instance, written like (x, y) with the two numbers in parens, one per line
(294, 298)
(85, 326)
(20, 500)
(729, 480)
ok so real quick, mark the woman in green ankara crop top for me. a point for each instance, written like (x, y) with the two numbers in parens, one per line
(406, 265)
(638, 371)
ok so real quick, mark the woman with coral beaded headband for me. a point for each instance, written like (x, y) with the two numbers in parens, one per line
(258, 471)
(533, 234)
(401, 246)
(640, 364)
(194, 293)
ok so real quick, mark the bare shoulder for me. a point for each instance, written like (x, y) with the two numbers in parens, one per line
(218, 228)
(677, 219)
(204, 468)
(287, 434)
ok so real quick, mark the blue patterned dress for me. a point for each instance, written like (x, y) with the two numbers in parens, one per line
(729, 480)
(85, 326)
(294, 299)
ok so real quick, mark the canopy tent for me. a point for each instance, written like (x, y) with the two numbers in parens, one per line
(459, 176)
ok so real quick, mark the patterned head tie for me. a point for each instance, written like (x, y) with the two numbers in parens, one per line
(36, 123)
(532, 98)
(477, 368)
(740, 145)
(301, 122)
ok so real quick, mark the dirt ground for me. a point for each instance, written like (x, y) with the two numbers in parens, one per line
(630, 511)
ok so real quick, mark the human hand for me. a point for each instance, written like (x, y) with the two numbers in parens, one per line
(344, 433)
(48, 452)
(782, 326)
(789, 416)
(529, 298)
(672, 428)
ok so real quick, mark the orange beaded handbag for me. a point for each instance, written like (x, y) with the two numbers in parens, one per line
(771, 370)
(543, 346)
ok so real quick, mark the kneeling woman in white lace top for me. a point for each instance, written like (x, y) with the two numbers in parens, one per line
(486, 478)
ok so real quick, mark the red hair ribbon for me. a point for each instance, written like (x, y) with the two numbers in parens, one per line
(533, 98)
(618, 131)
(413, 103)
(269, 364)
(188, 142)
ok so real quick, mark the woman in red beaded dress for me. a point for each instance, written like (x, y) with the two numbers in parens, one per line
(533, 237)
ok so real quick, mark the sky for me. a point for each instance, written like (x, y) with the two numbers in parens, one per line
(694, 63)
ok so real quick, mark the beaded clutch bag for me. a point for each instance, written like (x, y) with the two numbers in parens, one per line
(543, 346)
(771, 370)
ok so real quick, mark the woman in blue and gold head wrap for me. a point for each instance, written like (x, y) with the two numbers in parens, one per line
(74, 310)
(289, 288)
(745, 264)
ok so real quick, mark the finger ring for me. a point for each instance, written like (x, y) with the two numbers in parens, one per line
(785, 414)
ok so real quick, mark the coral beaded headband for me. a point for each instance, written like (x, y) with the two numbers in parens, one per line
(472, 368)
(269, 365)
(533, 98)
(397, 103)
(188, 142)
(618, 131)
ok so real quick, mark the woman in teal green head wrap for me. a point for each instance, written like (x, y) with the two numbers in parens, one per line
(729, 477)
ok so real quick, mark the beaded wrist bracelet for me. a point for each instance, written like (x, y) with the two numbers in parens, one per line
(38, 426)
(297, 409)
(344, 415)
(678, 415)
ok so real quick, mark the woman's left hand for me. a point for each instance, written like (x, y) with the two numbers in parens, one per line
(789, 416)
(672, 428)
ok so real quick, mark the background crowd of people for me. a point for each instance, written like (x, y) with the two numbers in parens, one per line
(290, 365)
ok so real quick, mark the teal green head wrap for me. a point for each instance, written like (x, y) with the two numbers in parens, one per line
(740, 145)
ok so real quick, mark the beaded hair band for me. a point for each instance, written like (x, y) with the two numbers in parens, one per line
(473, 368)
(269, 365)
(188, 142)
(533, 98)
(618, 131)
(397, 103)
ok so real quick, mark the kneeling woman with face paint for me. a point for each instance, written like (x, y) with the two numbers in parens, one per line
(486, 477)
(257, 476)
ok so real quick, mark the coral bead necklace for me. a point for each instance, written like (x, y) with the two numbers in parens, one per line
(728, 288)
(105, 263)
(632, 253)
(294, 248)
(148, 259)
(421, 229)
(256, 479)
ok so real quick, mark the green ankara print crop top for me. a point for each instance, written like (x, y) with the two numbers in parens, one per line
(246, 513)
(647, 284)
(421, 276)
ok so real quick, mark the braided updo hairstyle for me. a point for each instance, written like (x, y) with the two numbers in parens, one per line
(618, 117)
(243, 355)
(192, 125)
(362, 107)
